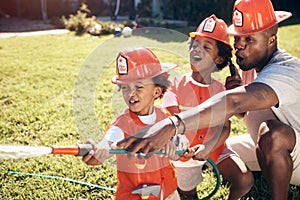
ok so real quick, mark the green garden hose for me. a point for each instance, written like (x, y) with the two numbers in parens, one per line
(218, 183)
(58, 178)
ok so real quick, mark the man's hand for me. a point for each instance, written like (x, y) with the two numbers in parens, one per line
(149, 139)
(233, 81)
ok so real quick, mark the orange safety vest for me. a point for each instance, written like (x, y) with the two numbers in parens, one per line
(137, 172)
(190, 95)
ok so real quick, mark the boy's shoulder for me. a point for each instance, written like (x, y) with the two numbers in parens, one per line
(215, 81)
(216, 87)
(124, 115)
(162, 112)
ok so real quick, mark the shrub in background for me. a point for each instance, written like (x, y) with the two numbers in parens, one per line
(82, 22)
(78, 21)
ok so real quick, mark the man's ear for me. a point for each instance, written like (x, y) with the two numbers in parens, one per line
(273, 39)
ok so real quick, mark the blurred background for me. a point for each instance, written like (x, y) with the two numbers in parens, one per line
(191, 11)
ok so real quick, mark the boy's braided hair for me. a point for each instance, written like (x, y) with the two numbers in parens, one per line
(225, 51)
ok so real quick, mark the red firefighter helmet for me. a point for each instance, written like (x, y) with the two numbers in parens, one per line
(137, 64)
(214, 28)
(252, 16)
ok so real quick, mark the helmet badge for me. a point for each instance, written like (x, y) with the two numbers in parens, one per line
(122, 65)
(209, 25)
(238, 18)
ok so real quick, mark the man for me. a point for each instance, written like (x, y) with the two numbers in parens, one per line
(276, 87)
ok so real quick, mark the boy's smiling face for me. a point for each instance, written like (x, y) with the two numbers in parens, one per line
(140, 96)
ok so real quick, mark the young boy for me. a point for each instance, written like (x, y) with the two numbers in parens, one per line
(142, 79)
(210, 51)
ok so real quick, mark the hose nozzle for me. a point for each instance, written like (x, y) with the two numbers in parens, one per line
(75, 150)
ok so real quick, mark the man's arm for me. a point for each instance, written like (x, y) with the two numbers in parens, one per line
(213, 112)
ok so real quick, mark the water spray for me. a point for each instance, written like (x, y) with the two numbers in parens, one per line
(23, 152)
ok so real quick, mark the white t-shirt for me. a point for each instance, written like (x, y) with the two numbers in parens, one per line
(282, 74)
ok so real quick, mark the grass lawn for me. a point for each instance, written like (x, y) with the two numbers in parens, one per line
(56, 90)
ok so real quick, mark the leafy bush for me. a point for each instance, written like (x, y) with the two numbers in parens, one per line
(83, 23)
(77, 22)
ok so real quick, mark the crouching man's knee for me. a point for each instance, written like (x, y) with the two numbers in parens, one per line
(275, 136)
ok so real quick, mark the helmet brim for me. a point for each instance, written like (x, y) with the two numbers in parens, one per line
(280, 17)
(194, 34)
(165, 67)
